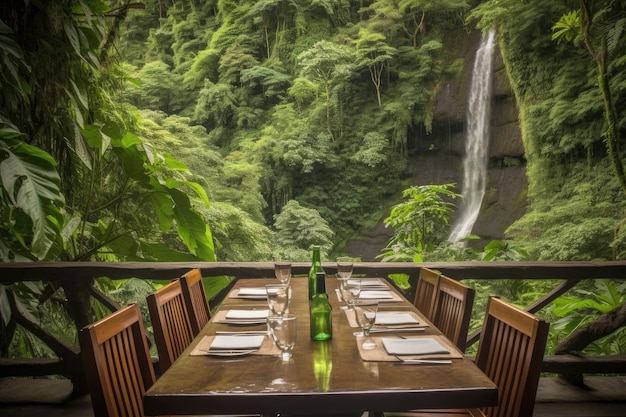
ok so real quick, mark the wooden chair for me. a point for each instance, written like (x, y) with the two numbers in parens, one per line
(117, 363)
(170, 323)
(426, 292)
(453, 310)
(195, 300)
(510, 352)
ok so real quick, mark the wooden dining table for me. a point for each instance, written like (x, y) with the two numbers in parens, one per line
(327, 377)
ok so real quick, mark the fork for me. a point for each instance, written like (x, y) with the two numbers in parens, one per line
(422, 361)
(243, 333)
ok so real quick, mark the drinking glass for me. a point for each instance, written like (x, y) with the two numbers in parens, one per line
(344, 267)
(283, 332)
(365, 314)
(350, 290)
(278, 296)
(282, 270)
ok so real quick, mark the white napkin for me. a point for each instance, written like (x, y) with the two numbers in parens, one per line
(252, 291)
(247, 314)
(237, 342)
(368, 282)
(375, 295)
(415, 346)
(395, 318)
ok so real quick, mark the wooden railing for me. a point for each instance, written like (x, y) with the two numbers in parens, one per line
(76, 279)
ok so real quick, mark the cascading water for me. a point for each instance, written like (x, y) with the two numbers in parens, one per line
(477, 141)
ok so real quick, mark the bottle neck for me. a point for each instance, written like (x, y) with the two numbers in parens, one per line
(316, 255)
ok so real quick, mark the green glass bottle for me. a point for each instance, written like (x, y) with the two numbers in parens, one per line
(321, 312)
(316, 266)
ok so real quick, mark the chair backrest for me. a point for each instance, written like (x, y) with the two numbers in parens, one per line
(170, 323)
(117, 363)
(195, 300)
(453, 310)
(510, 352)
(426, 291)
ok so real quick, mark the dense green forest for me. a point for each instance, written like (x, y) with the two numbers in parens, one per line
(238, 124)
(249, 130)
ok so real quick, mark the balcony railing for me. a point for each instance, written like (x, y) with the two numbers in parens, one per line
(76, 279)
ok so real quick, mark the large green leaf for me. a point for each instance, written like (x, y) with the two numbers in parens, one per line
(30, 184)
(192, 228)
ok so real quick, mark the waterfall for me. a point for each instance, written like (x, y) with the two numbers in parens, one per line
(477, 141)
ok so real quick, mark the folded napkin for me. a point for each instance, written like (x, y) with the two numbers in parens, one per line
(240, 317)
(252, 291)
(421, 346)
(246, 314)
(369, 283)
(393, 318)
(227, 342)
(380, 354)
(375, 295)
(365, 282)
(249, 293)
(401, 321)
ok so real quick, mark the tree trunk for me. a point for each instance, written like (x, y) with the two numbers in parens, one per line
(581, 337)
(600, 56)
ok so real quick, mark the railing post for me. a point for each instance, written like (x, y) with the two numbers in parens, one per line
(79, 308)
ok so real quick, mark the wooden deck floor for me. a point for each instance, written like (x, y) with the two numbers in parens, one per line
(606, 397)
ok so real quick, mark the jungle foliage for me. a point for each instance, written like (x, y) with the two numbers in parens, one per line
(121, 121)
(271, 101)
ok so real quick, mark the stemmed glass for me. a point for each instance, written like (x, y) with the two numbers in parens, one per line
(350, 290)
(278, 296)
(283, 332)
(282, 270)
(344, 267)
(365, 314)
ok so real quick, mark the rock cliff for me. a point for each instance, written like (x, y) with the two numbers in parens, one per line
(437, 156)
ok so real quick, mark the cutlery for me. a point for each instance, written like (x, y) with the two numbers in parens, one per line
(242, 322)
(243, 333)
(396, 329)
(229, 352)
(423, 361)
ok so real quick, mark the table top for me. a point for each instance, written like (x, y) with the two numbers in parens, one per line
(322, 377)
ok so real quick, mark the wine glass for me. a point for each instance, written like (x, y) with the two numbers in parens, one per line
(283, 332)
(344, 267)
(278, 296)
(350, 290)
(365, 314)
(282, 270)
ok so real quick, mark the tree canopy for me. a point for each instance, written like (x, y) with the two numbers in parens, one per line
(121, 121)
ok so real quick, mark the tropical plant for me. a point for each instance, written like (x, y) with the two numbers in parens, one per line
(30, 216)
(582, 306)
(419, 223)
(75, 183)
(599, 27)
(503, 250)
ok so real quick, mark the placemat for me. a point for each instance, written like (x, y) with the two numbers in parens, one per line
(420, 323)
(379, 354)
(268, 347)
